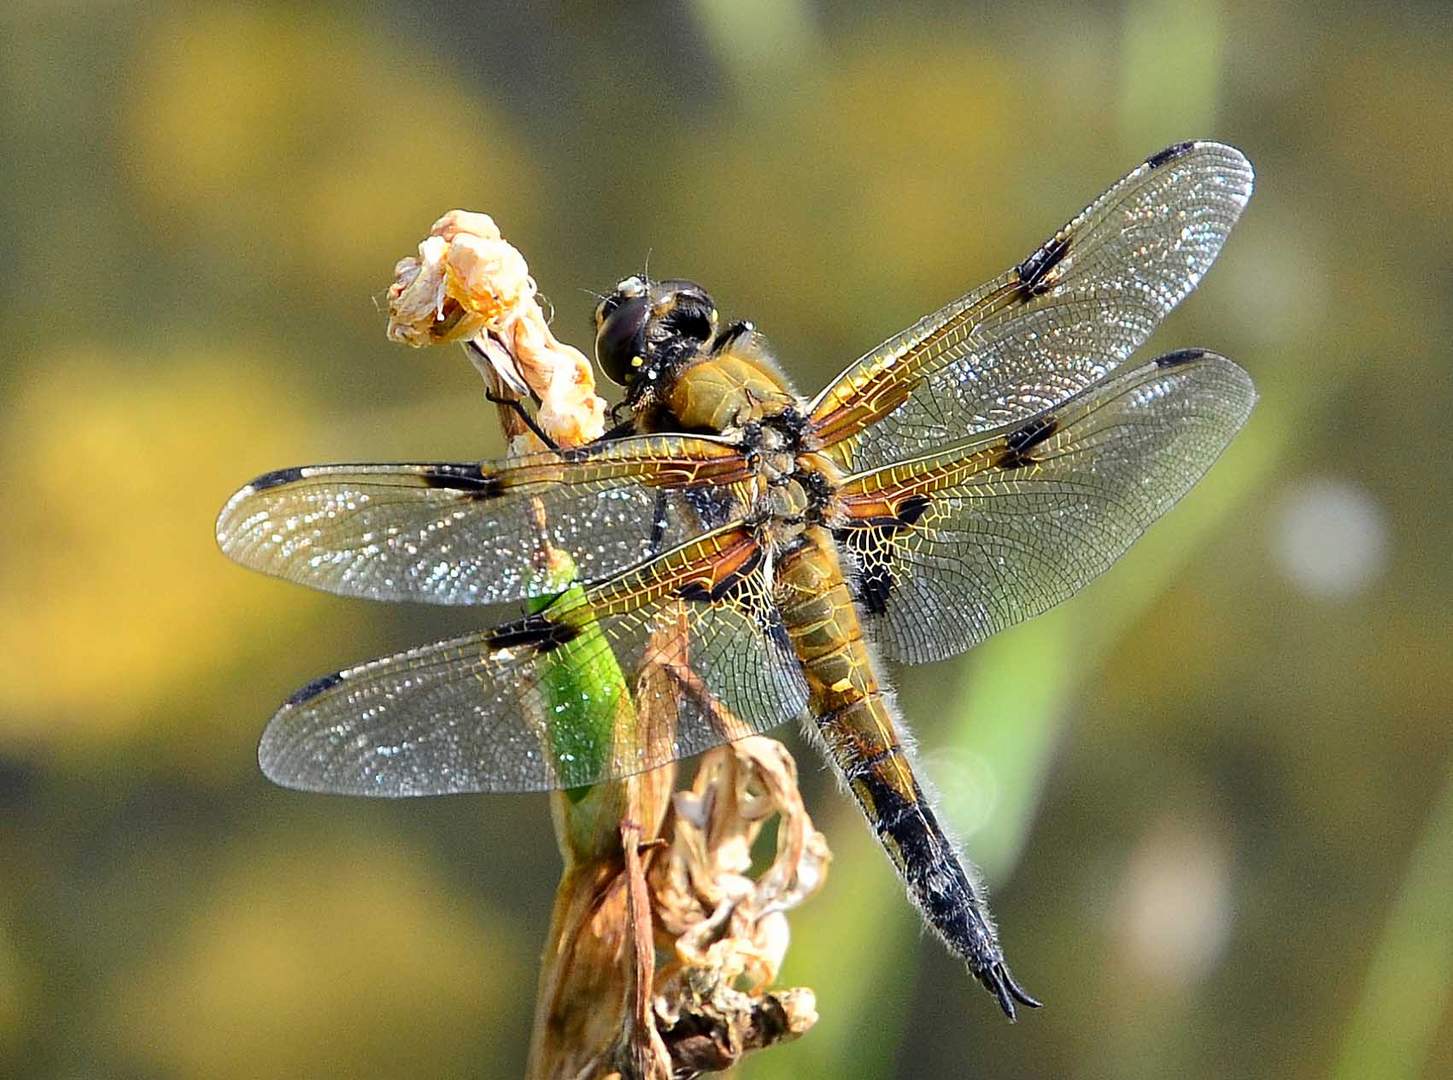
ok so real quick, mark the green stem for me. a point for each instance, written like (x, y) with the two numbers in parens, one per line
(1407, 990)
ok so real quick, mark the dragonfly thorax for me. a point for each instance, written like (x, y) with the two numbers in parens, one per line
(793, 500)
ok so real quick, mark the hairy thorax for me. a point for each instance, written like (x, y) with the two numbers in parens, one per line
(744, 398)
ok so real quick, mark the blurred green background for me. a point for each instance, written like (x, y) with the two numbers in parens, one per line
(1213, 793)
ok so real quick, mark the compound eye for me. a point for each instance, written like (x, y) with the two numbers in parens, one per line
(687, 309)
(624, 290)
(620, 338)
(692, 321)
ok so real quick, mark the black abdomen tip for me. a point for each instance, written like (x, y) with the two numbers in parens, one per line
(1000, 982)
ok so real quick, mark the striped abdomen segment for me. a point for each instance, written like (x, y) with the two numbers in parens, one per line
(860, 732)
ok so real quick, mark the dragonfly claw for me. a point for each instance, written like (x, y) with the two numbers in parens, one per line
(999, 982)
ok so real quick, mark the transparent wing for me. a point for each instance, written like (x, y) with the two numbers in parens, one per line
(1056, 323)
(953, 547)
(476, 533)
(532, 705)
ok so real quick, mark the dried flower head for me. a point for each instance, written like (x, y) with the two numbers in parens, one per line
(469, 284)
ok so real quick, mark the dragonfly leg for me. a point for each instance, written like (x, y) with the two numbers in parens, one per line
(529, 421)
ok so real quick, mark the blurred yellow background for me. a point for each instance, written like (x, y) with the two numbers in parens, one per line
(1213, 794)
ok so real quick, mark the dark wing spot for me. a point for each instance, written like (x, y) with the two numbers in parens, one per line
(1020, 443)
(658, 523)
(538, 632)
(467, 479)
(875, 586)
(913, 508)
(1036, 431)
(1179, 357)
(276, 479)
(778, 636)
(871, 541)
(727, 588)
(314, 688)
(1034, 270)
(1169, 154)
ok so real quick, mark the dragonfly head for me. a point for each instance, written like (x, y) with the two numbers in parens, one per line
(643, 326)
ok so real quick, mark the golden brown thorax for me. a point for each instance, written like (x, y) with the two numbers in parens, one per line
(733, 391)
(724, 392)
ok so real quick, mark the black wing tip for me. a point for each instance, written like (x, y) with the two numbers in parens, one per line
(318, 686)
(227, 517)
(1236, 378)
(1171, 153)
(266, 482)
(1180, 150)
(276, 478)
(1181, 357)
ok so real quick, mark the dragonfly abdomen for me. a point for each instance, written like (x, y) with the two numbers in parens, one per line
(860, 733)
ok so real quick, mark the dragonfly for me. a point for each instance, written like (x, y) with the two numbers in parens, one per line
(970, 472)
